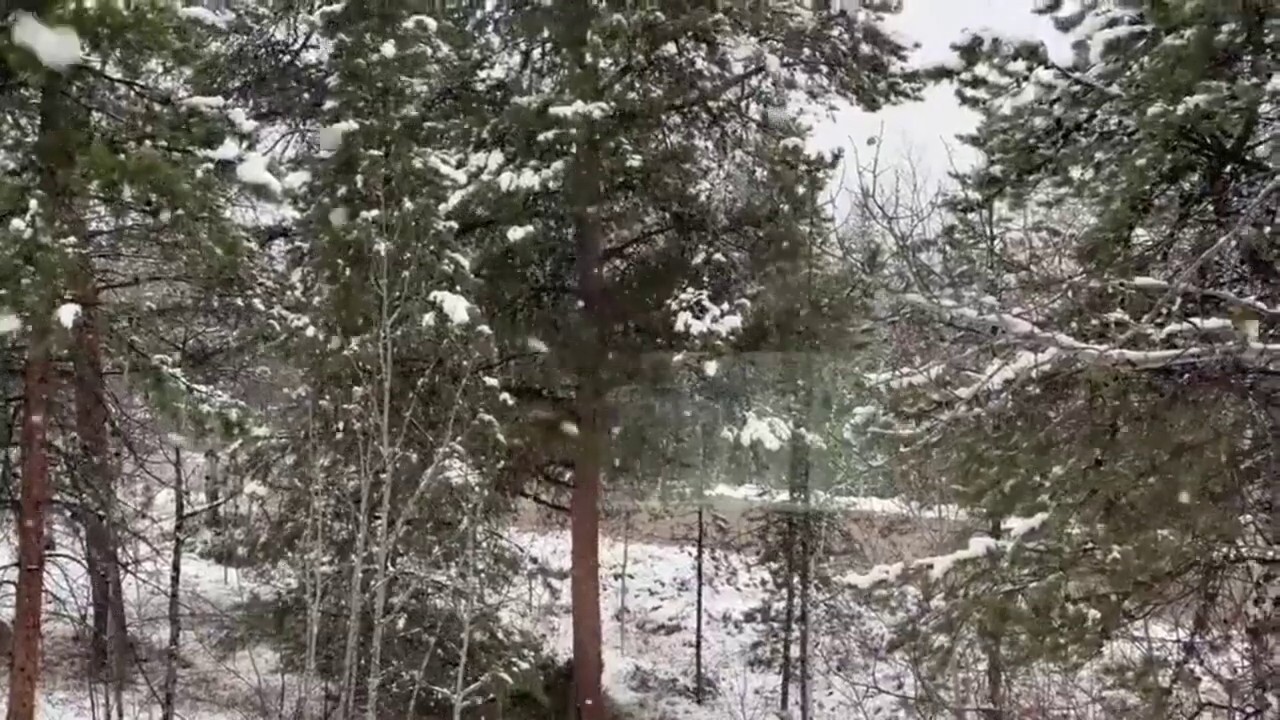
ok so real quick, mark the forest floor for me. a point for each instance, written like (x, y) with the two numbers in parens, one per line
(875, 533)
(648, 623)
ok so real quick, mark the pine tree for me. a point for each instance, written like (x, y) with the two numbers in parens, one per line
(108, 194)
(1108, 271)
(395, 402)
(615, 132)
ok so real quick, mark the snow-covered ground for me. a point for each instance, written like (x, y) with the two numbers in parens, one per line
(214, 684)
(648, 649)
(648, 646)
(217, 679)
(762, 495)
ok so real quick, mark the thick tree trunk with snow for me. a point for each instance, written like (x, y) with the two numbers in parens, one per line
(24, 675)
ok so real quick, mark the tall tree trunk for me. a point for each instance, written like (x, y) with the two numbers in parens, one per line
(56, 155)
(591, 386)
(24, 675)
(99, 591)
(110, 636)
(169, 699)
(585, 517)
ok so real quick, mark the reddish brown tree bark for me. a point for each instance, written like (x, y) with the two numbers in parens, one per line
(110, 638)
(56, 153)
(592, 373)
(588, 665)
(24, 676)
(588, 469)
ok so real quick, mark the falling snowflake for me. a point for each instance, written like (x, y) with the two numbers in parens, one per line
(67, 315)
(57, 48)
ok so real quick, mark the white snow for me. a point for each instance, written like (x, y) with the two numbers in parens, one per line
(240, 119)
(862, 414)
(67, 314)
(979, 546)
(57, 48)
(648, 619)
(939, 565)
(203, 102)
(777, 497)
(1018, 527)
(898, 379)
(1102, 40)
(1195, 325)
(578, 108)
(9, 323)
(1054, 347)
(648, 631)
(537, 345)
(253, 171)
(769, 432)
(388, 49)
(454, 306)
(296, 179)
(697, 315)
(516, 233)
(1144, 281)
(425, 21)
(220, 19)
(228, 151)
(329, 138)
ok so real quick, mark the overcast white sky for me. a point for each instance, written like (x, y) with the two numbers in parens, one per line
(925, 130)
